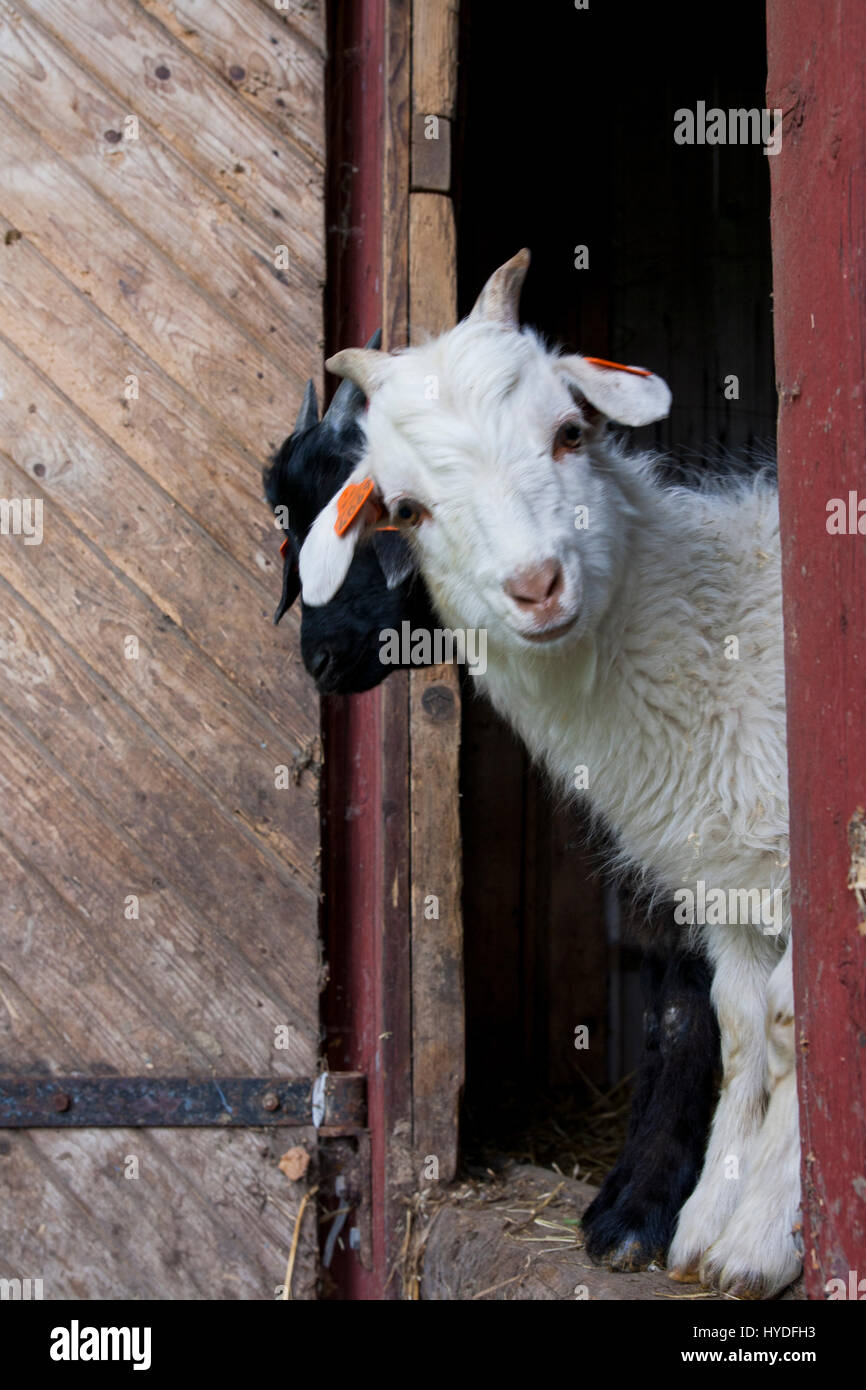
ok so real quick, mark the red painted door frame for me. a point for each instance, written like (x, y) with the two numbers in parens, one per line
(817, 77)
(366, 1006)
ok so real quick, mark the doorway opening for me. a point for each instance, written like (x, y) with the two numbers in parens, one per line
(643, 251)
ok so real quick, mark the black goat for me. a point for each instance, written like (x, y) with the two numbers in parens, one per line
(632, 1219)
(340, 641)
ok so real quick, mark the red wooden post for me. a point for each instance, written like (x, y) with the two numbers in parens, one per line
(817, 76)
(366, 789)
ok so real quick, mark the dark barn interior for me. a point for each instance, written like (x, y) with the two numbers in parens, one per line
(678, 279)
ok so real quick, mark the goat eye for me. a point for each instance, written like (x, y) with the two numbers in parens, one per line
(409, 512)
(567, 439)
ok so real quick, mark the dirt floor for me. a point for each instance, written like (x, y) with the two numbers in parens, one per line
(510, 1228)
(578, 1130)
(515, 1236)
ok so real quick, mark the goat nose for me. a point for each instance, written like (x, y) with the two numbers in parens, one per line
(319, 662)
(538, 587)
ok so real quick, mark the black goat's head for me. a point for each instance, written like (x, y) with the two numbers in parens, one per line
(340, 641)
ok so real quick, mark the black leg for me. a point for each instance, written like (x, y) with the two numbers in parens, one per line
(632, 1219)
(652, 974)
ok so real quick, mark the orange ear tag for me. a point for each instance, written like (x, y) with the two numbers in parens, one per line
(617, 366)
(351, 503)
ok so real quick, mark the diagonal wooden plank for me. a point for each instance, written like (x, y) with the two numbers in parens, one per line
(168, 990)
(70, 462)
(144, 179)
(303, 19)
(166, 552)
(155, 776)
(265, 64)
(143, 790)
(206, 723)
(205, 1215)
(49, 1019)
(30, 1029)
(140, 291)
(154, 77)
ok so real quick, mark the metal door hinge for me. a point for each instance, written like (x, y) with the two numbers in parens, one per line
(79, 1102)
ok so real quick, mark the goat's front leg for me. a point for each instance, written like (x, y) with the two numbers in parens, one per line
(758, 1253)
(608, 1232)
(631, 1221)
(743, 961)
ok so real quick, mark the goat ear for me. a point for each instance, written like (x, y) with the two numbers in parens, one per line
(395, 556)
(629, 395)
(327, 553)
(291, 578)
(499, 301)
(308, 415)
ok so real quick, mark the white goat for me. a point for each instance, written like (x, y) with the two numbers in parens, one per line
(610, 603)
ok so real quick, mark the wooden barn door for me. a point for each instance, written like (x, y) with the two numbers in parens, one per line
(161, 276)
(816, 78)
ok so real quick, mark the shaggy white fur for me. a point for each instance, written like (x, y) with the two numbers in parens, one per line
(683, 734)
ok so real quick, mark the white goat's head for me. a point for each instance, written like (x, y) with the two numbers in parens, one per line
(480, 446)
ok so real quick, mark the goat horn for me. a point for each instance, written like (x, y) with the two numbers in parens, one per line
(364, 366)
(349, 397)
(498, 302)
(308, 415)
